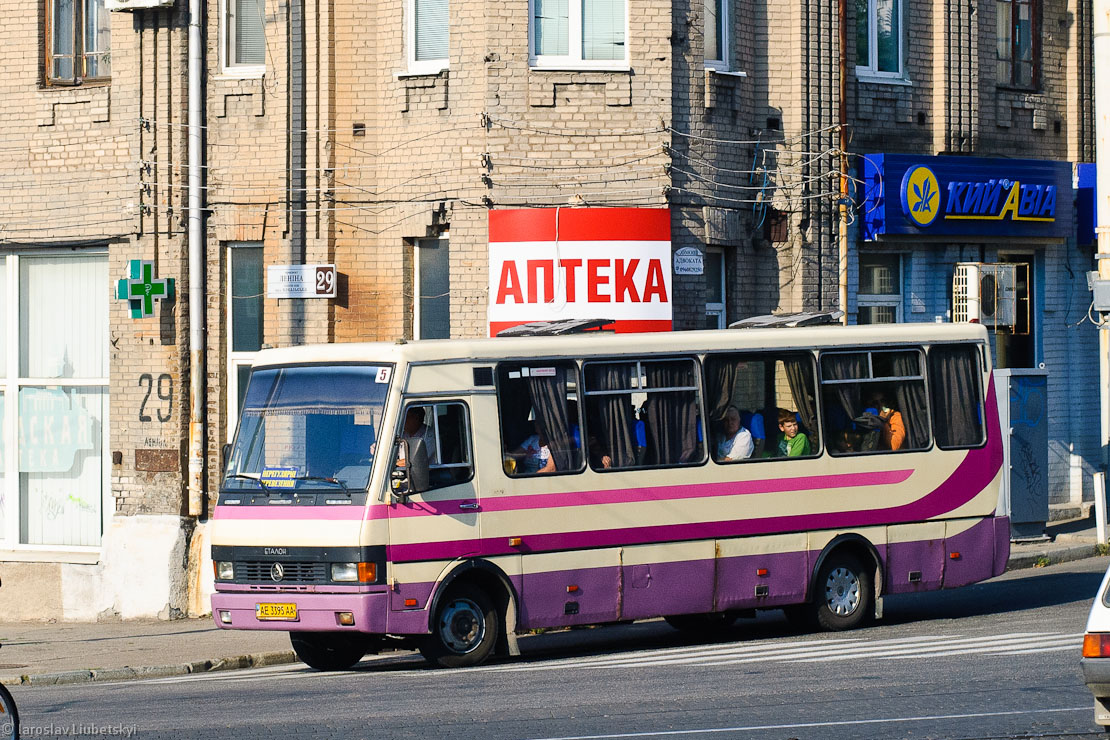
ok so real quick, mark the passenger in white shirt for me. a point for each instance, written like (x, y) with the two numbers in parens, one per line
(736, 443)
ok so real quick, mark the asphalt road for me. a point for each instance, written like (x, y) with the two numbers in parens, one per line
(997, 660)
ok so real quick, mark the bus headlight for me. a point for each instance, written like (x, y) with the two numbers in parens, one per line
(354, 572)
(225, 570)
(344, 572)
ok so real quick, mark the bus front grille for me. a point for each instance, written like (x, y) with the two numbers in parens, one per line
(267, 571)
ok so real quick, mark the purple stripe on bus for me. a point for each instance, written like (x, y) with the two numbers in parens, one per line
(974, 473)
(656, 493)
(969, 556)
(614, 592)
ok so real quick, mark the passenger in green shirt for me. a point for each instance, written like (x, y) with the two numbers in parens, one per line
(792, 443)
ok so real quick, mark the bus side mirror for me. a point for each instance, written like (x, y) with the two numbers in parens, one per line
(410, 469)
(225, 454)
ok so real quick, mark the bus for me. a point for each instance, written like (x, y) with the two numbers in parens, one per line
(457, 493)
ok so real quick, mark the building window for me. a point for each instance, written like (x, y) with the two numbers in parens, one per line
(587, 34)
(432, 305)
(1017, 43)
(715, 288)
(78, 36)
(716, 35)
(427, 36)
(53, 399)
(879, 38)
(879, 298)
(244, 322)
(244, 46)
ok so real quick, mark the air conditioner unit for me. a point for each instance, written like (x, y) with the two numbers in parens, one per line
(137, 4)
(985, 293)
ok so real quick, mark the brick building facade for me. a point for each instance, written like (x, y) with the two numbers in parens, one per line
(378, 136)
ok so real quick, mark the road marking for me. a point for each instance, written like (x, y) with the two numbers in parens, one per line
(810, 725)
(815, 650)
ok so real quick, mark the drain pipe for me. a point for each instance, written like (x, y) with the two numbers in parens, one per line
(197, 267)
(842, 120)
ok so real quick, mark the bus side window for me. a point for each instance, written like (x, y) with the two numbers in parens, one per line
(875, 401)
(643, 413)
(445, 429)
(773, 397)
(955, 389)
(541, 430)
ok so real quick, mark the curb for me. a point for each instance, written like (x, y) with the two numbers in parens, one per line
(129, 673)
(1039, 557)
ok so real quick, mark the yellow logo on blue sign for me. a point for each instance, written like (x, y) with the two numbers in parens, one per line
(920, 195)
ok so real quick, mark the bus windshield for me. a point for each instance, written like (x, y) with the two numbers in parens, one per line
(308, 428)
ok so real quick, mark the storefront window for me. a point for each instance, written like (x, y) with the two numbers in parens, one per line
(880, 289)
(56, 366)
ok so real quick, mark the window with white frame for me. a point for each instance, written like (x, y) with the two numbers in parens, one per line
(53, 399)
(715, 288)
(879, 298)
(716, 35)
(879, 38)
(589, 34)
(431, 305)
(246, 298)
(427, 36)
(244, 34)
(78, 35)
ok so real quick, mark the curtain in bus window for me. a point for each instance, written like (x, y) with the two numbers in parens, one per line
(846, 395)
(672, 420)
(514, 399)
(549, 400)
(610, 417)
(720, 379)
(954, 383)
(911, 400)
(799, 373)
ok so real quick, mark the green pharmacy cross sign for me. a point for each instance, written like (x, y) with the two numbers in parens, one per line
(142, 289)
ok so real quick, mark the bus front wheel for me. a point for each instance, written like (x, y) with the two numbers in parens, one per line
(843, 593)
(331, 651)
(465, 629)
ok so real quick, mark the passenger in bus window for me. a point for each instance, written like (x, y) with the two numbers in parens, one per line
(534, 455)
(736, 442)
(892, 432)
(794, 442)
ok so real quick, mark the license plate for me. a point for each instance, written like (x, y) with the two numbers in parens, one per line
(276, 611)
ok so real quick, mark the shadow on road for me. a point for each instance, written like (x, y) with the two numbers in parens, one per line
(1036, 590)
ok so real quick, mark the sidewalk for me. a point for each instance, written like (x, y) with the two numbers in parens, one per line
(38, 654)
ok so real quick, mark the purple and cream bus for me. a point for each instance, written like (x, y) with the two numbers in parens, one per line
(459, 492)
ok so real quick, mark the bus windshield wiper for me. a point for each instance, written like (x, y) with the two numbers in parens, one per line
(242, 476)
(333, 481)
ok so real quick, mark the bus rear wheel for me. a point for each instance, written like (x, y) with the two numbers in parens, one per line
(843, 593)
(331, 651)
(465, 629)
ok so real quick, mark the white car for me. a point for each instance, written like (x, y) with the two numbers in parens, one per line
(1096, 652)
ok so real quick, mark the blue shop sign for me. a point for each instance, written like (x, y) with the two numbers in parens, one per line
(964, 196)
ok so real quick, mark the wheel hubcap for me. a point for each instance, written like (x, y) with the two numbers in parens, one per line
(842, 591)
(462, 626)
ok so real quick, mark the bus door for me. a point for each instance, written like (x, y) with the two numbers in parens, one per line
(439, 525)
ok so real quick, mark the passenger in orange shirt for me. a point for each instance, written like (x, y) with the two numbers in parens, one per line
(893, 435)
